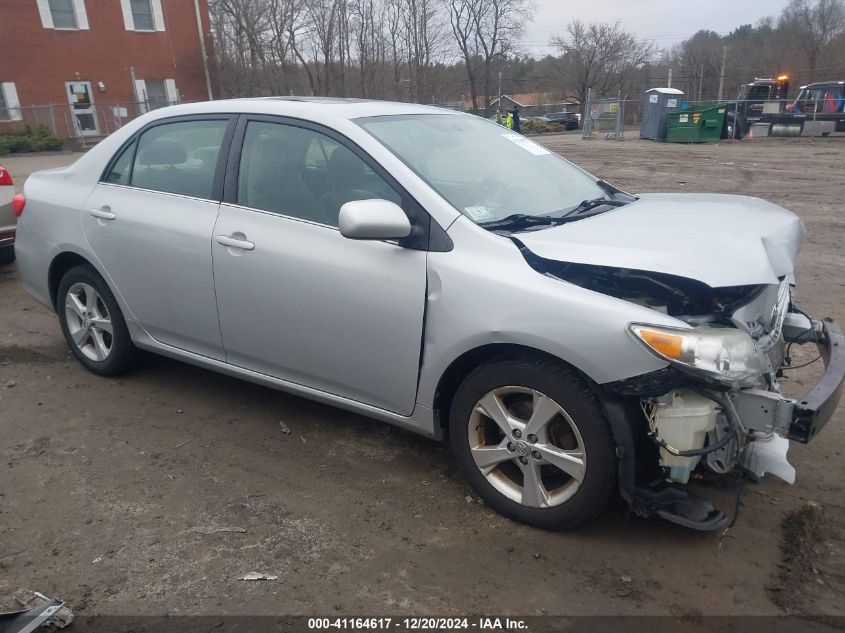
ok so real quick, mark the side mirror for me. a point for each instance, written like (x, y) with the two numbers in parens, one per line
(373, 220)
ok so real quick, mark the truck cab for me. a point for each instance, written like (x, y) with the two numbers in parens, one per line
(755, 99)
(754, 95)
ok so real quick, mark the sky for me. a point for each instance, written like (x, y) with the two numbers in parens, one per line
(666, 22)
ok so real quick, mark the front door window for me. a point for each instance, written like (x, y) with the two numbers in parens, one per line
(83, 113)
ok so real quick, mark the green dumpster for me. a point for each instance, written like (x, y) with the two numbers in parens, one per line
(696, 125)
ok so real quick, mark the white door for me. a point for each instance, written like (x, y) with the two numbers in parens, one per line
(82, 110)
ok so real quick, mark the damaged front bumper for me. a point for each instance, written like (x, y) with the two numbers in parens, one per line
(799, 420)
(766, 417)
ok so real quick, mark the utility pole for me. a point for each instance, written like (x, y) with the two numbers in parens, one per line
(722, 73)
(701, 81)
(500, 94)
(203, 52)
(669, 83)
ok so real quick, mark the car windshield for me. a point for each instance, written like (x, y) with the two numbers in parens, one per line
(485, 171)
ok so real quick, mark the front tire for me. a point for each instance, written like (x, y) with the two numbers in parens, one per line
(93, 324)
(734, 128)
(531, 439)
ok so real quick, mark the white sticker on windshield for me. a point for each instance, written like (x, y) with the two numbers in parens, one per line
(526, 144)
(478, 214)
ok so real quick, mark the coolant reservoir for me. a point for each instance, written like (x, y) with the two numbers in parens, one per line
(684, 425)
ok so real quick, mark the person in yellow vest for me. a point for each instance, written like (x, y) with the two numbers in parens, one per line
(509, 121)
(499, 119)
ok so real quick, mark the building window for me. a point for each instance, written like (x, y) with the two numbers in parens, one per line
(4, 109)
(63, 14)
(142, 15)
(155, 93)
(10, 107)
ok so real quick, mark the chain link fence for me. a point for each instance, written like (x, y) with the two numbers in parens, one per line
(94, 121)
(602, 117)
(610, 117)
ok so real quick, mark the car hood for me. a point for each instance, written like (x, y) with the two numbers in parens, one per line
(720, 240)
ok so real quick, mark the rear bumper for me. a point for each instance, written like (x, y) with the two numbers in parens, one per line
(810, 414)
(7, 237)
(33, 255)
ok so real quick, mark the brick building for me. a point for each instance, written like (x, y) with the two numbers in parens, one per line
(85, 67)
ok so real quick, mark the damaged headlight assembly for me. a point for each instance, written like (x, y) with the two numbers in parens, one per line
(724, 354)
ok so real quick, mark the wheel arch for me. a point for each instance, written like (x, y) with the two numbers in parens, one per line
(464, 364)
(70, 258)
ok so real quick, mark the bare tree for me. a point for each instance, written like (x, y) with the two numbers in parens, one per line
(424, 32)
(367, 23)
(240, 26)
(601, 56)
(814, 24)
(281, 16)
(461, 20)
(699, 58)
(498, 25)
(485, 32)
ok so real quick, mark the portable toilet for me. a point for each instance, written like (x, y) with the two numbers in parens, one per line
(656, 103)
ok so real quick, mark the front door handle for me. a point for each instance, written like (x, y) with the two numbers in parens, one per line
(233, 242)
(103, 214)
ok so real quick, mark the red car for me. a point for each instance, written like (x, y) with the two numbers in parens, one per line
(8, 217)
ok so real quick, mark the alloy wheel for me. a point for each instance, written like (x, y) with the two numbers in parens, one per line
(527, 446)
(88, 322)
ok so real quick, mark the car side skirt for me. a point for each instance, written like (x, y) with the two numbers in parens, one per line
(421, 420)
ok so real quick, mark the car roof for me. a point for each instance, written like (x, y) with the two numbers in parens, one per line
(336, 114)
(307, 107)
(823, 84)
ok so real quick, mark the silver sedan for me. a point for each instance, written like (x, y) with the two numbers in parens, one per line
(436, 271)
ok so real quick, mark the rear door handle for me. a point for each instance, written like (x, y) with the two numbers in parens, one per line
(102, 214)
(232, 242)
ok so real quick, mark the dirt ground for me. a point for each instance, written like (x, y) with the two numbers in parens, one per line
(105, 481)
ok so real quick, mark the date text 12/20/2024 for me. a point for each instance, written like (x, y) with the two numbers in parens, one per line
(479, 623)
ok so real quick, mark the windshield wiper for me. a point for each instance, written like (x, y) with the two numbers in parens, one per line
(588, 205)
(519, 221)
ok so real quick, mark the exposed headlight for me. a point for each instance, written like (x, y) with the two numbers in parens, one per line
(723, 353)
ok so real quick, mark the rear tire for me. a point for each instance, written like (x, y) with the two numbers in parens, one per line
(93, 324)
(7, 255)
(556, 474)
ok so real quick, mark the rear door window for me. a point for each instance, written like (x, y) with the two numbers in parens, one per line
(121, 169)
(179, 157)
